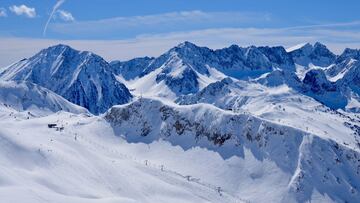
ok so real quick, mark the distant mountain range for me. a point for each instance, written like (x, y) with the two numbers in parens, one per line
(88, 80)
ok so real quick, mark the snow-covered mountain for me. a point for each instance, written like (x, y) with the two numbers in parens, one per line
(187, 69)
(252, 61)
(352, 77)
(253, 124)
(181, 70)
(83, 78)
(319, 87)
(317, 54)
(301, 163)
(349, 53)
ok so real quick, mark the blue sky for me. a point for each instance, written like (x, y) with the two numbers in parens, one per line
(123, 29)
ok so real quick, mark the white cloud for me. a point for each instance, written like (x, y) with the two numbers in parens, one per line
(65, 16)
(23, 10)
(3, 12)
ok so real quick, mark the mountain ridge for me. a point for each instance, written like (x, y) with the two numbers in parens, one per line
(230, 134)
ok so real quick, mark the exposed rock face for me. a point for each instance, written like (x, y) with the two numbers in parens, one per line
(316, 81)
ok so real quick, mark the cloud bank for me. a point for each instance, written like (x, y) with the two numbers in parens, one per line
(14, 49)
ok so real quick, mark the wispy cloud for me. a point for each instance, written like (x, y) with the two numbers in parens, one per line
(55, 8)
(65, 16)
(164, 22)
(3, 12)
(23, 10)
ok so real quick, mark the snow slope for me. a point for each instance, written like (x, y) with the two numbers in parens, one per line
(86, 162)
(280, 104)
(26, 96)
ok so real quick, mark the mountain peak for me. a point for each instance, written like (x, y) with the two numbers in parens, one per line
(319, 45)
(350, 53)
(307, 47)
(56, 50)
(187, 44)
(317, 54)
(81, 77)
(188, 47)
(322, 48)
(59, 47)
(296, 47)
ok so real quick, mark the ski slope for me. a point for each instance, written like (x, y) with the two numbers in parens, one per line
(87, 163)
